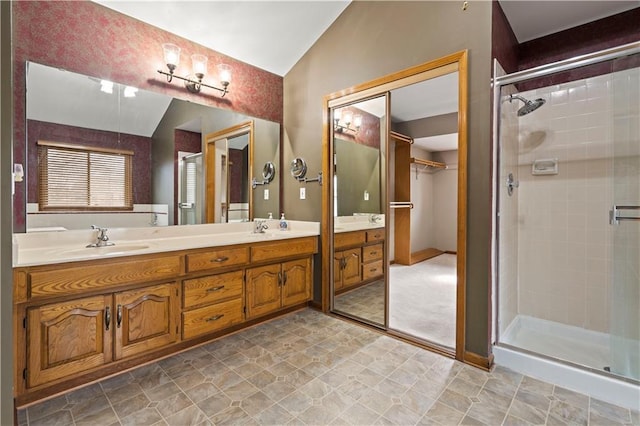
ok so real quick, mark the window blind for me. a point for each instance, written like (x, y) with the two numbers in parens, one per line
(73, 177)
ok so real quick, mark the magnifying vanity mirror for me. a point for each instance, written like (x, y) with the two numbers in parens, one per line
(298, 168)
(169, 180)
(395, 166)
(268, 172)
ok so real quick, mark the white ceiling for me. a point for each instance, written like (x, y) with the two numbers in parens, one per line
(532, 19)
(65, 97)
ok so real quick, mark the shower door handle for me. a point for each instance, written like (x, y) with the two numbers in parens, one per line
(185, 205)
(615, 216)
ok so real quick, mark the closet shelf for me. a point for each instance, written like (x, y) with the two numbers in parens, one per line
(428, 163)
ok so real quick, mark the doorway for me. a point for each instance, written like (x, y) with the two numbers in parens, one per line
(229, 155)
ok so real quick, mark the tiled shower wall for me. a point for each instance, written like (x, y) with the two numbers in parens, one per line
(564, 238)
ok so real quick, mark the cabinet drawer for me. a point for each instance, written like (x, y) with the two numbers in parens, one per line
(285, 248)
(77, 279)
(371, 270)
(216, 259)
(375, 235)
(373, 252)
(212, 289)
(211, 318)
(347, 239)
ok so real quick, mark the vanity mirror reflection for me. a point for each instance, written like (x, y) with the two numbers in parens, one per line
(165, 138)
(359, 145)
(395, 203)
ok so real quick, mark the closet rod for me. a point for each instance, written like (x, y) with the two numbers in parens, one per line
(401, 205)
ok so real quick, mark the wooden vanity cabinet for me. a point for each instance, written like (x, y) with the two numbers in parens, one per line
(276, 286)
(358, 258)
(81, 334)
(80, 321)
(212, 303)
(67, 338)
(145, 319)
(347, 268)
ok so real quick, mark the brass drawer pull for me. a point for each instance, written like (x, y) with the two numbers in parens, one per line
(373, 270)
(214, 318)
(373, 253)
(107, 317)
(220, 259)
(212, 289)
(119, 316)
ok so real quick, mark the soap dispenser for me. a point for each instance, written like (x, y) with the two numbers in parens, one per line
(283, 223)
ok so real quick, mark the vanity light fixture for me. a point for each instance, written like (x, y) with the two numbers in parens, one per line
(199, 65)
(347, 118)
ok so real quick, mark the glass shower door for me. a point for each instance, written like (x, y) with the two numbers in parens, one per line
(191, 190)
(625, 219)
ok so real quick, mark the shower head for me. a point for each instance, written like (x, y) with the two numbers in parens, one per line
(529, 106)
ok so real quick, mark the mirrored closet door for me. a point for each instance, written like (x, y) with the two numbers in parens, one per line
(395, 203)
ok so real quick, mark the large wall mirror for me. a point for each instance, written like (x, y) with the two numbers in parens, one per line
(395, 216)
(165, 139)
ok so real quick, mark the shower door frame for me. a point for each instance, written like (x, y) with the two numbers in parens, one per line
(497, 83)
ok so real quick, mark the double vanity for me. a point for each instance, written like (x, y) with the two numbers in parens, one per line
(82, 313)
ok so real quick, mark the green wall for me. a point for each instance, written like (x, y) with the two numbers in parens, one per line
(373, 39)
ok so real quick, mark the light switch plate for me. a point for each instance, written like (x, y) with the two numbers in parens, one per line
(303, 193)
(266, 194)
(366, 195)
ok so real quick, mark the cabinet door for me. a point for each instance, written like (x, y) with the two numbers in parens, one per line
(296, 281)
(67, 338)
(146, 319)
(263, 290)
(351, 271)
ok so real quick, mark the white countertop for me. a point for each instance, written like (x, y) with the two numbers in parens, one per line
(359, 222)
(44, 248)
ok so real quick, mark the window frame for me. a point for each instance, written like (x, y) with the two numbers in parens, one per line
(42, 176)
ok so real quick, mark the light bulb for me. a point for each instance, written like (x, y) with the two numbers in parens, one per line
(348, 117)
(224, 74)
(357, 121)
(199, 63)
(171, 55)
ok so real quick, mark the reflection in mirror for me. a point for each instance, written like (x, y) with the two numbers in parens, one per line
(268, 172)
(298, 168)
(359, 142)
(227, 156)
(162, 133)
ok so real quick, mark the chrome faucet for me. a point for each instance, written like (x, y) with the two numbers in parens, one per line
(102, 238)
(374, 218)
(259, 225)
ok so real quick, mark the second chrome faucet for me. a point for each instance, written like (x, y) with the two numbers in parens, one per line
(102, 239)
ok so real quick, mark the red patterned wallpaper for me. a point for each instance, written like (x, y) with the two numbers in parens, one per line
(504, 44)
(602, 34)
(369, 133)
(91, 39)
(140, 145)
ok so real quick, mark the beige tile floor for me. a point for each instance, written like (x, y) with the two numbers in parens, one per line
(309, 368)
